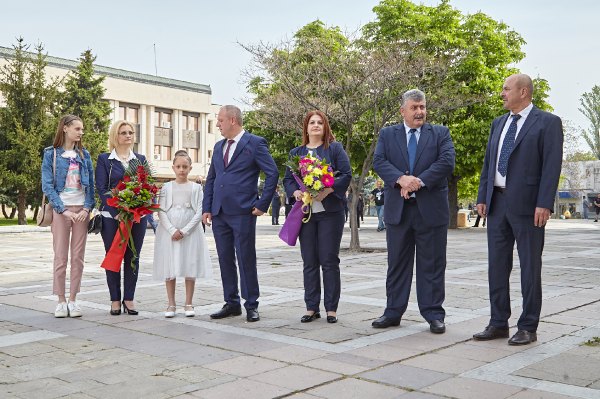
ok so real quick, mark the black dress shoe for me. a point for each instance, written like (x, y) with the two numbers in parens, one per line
(307, 318)
(437, 326)
(252, 315)
(522, 337)
(490, 333)
(385, 322)
(226, 311)
(115, 312)
(332, 319)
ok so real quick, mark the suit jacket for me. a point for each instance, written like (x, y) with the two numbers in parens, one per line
(433, 165)
(533, 165)
(107, 179)
(338, 159)
(233, 190)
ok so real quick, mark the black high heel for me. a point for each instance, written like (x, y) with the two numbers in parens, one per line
(132, 312)
(115, 312)
(307, 318)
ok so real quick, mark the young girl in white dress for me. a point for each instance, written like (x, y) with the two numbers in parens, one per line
(180, 248)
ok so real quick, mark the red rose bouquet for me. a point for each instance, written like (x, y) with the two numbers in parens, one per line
(134, 197)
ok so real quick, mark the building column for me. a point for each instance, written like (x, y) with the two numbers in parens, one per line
(144, 134)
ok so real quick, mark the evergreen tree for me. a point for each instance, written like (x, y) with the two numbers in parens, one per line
(27, 123)
(83, 96)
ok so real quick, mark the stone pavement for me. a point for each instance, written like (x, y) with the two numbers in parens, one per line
(148, 356)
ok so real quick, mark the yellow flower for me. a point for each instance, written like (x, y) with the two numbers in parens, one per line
(310, 168)
(324, 170)
(317, 172)
(308, 180)
(317, 184)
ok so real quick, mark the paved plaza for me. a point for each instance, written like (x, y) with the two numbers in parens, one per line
(148, 356)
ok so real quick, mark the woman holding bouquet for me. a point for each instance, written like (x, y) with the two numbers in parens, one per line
(68, 182)
(110, 169)
(321, 235)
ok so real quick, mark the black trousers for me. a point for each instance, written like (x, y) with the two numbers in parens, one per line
(430, 245)
(320, 240)
(113, 279)
(504, 228)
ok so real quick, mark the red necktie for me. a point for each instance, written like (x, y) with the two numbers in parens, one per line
(226, 157)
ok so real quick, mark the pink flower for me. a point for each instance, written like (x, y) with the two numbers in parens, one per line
(327, 180)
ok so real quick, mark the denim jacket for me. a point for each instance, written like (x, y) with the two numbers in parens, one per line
(53, 191)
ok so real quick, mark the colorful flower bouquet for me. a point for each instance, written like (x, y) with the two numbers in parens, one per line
(134, 197)
(313, 175)
(316, 175)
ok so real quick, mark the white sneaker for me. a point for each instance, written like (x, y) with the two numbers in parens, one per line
(74, 309)
(61, 310)
(170, 312)
(189, 311)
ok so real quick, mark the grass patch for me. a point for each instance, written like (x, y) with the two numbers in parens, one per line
(14, 222)
(593, 342)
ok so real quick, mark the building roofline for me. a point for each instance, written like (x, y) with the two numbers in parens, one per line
(64, 63)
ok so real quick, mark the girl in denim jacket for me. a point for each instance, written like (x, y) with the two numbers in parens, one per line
(70, 191)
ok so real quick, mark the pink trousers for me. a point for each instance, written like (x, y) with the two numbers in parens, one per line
(67, 234)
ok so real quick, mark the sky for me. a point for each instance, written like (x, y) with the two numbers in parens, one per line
(198, 41)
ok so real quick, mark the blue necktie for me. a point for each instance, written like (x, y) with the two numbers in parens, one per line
(507, 145)
(412, 149)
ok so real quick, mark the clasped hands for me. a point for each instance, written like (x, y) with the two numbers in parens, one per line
(320, 197)
(408, 184)
(178, 235)
(78, 217)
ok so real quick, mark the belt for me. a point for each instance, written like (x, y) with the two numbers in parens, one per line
(499, 189)
(411, 200)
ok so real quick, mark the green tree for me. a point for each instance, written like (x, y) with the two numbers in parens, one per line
(83, 96)
(480, 51)
(590, 108)
(357, 86)
(26, 123)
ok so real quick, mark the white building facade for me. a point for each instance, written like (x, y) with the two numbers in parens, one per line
(168, 114)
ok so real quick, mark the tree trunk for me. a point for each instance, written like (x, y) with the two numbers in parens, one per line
(453, 200)
(35, 212)
(22, 207)
(352, 217)
(4, 211)
(13, 211)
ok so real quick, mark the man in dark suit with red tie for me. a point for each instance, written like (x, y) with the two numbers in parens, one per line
(231, 202)
(517, 188)
(415, 159)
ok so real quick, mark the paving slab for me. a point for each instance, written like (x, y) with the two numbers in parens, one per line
(103, 356)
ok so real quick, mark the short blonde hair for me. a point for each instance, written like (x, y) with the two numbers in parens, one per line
(113, 133)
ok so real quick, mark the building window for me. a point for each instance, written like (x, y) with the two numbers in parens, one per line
(190, 134)
(210, 126)
(163, 134)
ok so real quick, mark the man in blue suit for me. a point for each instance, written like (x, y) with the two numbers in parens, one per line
(231, 202)
(518, 184)
(414, 160)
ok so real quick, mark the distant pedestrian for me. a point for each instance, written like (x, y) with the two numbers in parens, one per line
(586, 207)
(275, 207)
(378, 195)
(597, 205)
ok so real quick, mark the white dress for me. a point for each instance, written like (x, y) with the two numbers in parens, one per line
(181, 208)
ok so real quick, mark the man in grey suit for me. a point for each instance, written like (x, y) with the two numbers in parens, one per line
(415, 159)
(518, 184)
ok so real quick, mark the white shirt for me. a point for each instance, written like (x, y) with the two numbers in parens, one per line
(114, 155)
(236, 140)
(499, 180)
